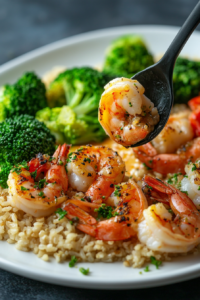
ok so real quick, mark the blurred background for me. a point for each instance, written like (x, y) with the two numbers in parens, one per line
(28, 24)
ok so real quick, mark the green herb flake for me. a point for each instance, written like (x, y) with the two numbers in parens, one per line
(146, 269)
(170, 211)
(130, 104)
(40, 184)
(194, 167)
(24, 189)
(146, 166)
(84, 271)
(61, 212)
(117, 191)
(60, 163)
(105, 212)
(34, 174)
(149, 187)
(118, 136)
(41, 194)
(72, 261)
(155, 262)
(82, 199)
(185, 192)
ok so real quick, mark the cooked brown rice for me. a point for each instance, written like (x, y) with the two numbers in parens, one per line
(48, 237)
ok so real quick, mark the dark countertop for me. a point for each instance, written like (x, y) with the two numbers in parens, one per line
(28, 24)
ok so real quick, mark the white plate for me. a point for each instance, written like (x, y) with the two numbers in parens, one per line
(88, 49)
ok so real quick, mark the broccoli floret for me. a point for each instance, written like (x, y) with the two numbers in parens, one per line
(68, 127)
(21, 138)
(186, 80)
(79, 88)
(26, 96)
(73, 98)
(126, 56)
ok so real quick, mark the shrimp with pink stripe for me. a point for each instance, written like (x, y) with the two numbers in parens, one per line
(39, 186)
(125, 212)
(125, 113)
(171, 225)
(95, 170)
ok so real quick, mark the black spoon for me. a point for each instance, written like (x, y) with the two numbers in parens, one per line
(157, 79)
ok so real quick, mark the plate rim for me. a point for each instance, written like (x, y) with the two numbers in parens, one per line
(71, 40)
(187, 272)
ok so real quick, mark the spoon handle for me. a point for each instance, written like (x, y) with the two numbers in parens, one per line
(168, 60)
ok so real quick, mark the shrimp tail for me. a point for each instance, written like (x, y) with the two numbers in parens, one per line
(158, 185)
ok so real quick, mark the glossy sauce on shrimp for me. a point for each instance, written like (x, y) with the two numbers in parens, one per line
(40, 186)
(125, 113)
(129, 202)
(95, 170)
(171, 225)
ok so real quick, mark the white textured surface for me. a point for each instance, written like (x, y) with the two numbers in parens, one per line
(88, 49)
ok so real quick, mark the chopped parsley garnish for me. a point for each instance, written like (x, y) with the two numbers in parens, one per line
(149, 187)
(103, 197)
(170, 211)
(61, 213)
(84, 271)
(118, 136)
(174, 178)
(75, 157)
(72, 261)
(199, 188)
(88, 159)
(117, 191)
(41, 194)
(24, 189)
(185, 192)
(146, 166)
(82, 199)
(40, 184)
(170, 180)
(194, 167)
(105, 212)
(60, 163)
(69, 159)
(155, 262)
(34, 174)
(130, 104)
(146, 269)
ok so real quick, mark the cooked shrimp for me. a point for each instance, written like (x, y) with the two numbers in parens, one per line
(177, 132)
(130, 203)
(176, 229)
(169, 163)
(191, 182)
(95, 170)
(36, 195)
(125, 113)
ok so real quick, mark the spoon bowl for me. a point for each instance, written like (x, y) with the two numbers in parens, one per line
(159, 89)
(157, 79)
